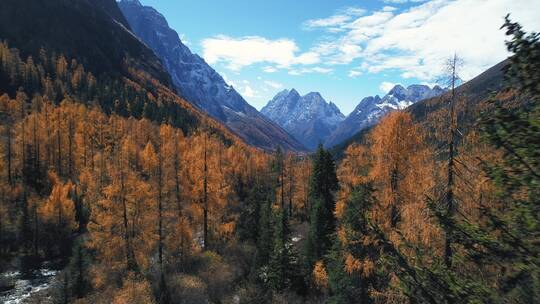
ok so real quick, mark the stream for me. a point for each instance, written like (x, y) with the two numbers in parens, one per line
(23, 286)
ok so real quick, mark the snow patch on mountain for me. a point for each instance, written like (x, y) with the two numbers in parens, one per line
(200, 84)
(309, 118)
(371, 109)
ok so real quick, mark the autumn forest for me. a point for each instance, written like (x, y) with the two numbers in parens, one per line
(129, 194)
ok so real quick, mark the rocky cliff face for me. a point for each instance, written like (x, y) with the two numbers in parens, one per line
(200, 84)
(309, 118)
(371, 109)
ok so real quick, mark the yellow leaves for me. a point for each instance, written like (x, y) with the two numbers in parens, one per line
(352, 264)
(320, 276)
(403, 174)
(114, 161)
(364, 267)
(368, 267)
(59, 209)
(149, 159)
(227, 229)
(301, 174)
(351, 172)
(340, 208)
(342, 235)
(61, 67)
(134, 291)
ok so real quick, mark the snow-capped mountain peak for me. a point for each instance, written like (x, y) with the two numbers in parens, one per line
(372, 108)
(200, 84)
(398, 92)
(309, 118)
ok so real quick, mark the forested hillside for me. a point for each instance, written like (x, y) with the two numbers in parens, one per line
(115, 190)
(92, 31)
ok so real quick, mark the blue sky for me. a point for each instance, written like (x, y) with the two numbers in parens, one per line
(344, 49)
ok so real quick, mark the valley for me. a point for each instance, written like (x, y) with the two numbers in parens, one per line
(133, 171)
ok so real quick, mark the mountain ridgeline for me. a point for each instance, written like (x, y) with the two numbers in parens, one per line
(114, 189)
(314, 121)
(200, 84)
(95, 33)
(88, 52)
(371, 109)
(309, 118)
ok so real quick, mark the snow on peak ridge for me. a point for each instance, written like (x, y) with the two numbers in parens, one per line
(309, 118)
(371, 109)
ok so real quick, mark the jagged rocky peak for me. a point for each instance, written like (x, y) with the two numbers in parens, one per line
(198, 83)
(309, 118)
(370, 109)
(133, 2)
(399, 92)
(282, 94)
(294, 92)
(316, 96)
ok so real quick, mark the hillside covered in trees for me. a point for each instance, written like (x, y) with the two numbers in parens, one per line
(127, 194)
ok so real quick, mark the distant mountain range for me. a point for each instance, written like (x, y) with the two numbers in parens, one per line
(312, 120)
(200, 84)
(477, 97)
(309, 118)
(371, 109)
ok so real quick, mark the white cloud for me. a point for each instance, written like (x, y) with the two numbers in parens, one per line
(417, 41)
(396, 1)
(307, 58)
(354, 11)
(402, 1)
(354, 73)
(386, 86)
(331, 21)
(241, 52)
(269, 69)
(335, 22)
(388, 9)
(248, 92)
(273, 84)
(319, 70)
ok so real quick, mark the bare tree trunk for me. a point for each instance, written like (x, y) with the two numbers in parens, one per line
(290, 187)
(48, 151)
(130, 258)
(205, 198)
(36, 231)
(160, 209)
(449, 195)
(163, 287)
(70, 147)
(394, 186)
(102, 159)
(36, 145)
(177, 180)
(58, 143)
(282, 186)
(85, 148)
(9, 152)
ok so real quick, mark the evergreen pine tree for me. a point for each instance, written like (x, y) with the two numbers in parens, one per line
(497, 260)
(282, 270)
(354, 257)
(323, 184)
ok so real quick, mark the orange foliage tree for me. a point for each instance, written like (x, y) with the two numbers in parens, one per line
(402, 166)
